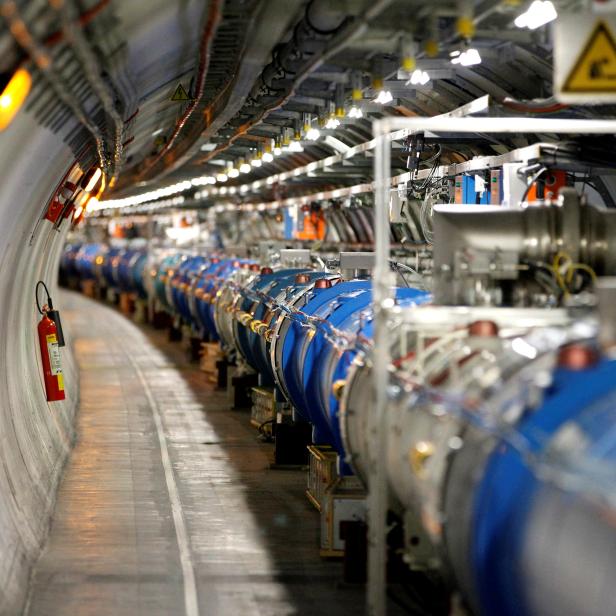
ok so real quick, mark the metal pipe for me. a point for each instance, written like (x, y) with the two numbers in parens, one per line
(92, 71)
(381, 293)
(339, 42)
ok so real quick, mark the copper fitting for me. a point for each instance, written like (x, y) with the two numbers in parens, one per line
(261, 328)
(302, 279)
(338, 387)
(483, 329)
(266, 270)
(577, 356)
(323, 283)
(419, 455)
(244, 318)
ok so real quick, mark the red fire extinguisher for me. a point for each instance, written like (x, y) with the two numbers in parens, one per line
(49, 341)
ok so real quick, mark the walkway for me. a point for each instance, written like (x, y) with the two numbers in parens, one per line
(168, 506)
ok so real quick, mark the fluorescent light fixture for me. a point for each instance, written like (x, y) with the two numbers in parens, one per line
(355, 112)
(419, 78)
(383, 97)
(539, 13)
(245, 168)
(92, 204)
(469, 57)
(208, 147)
(267, 157)
(313, 134)
(14, 90)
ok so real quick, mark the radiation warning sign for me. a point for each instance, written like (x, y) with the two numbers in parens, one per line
(585, 59)
(180, 95)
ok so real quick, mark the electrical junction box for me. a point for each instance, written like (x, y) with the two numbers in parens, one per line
(344, 501)
(397, 203)
(290, 222)
(514, 186)
(294, 257)
(471, 189)
(496, 187)
(357, 260)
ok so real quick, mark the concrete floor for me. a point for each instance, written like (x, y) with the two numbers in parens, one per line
(167, 505)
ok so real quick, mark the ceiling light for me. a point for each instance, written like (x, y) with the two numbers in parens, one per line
(267, 157)
(15, 88)
(221, 177)
(233, 172)
(469, 57)
(255, 162)
(295, 146)
(332, 123)
(383, 97)
(419, 78)
(277, 151)
(538, 14)
(355, 112)
(313, 133)
(245, 167)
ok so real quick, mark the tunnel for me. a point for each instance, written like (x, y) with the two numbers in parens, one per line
(307, 307)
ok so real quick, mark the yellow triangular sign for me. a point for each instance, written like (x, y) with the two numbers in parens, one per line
(595, 68)
(180, 94)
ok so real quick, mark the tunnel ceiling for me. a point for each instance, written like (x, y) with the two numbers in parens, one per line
(168, 91)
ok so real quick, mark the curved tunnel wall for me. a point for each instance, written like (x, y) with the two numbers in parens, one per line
(35, 435)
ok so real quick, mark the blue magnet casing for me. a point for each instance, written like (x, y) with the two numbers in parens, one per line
(508, 487)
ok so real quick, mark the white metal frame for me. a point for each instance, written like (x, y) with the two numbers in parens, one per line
(383, 281)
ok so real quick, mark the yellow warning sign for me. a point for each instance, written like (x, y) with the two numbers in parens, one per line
(595, 67)
(180, 94)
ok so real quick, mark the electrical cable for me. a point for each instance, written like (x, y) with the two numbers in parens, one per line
(43, 61)
(92, 70)
(214, 17)
(533, 179)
